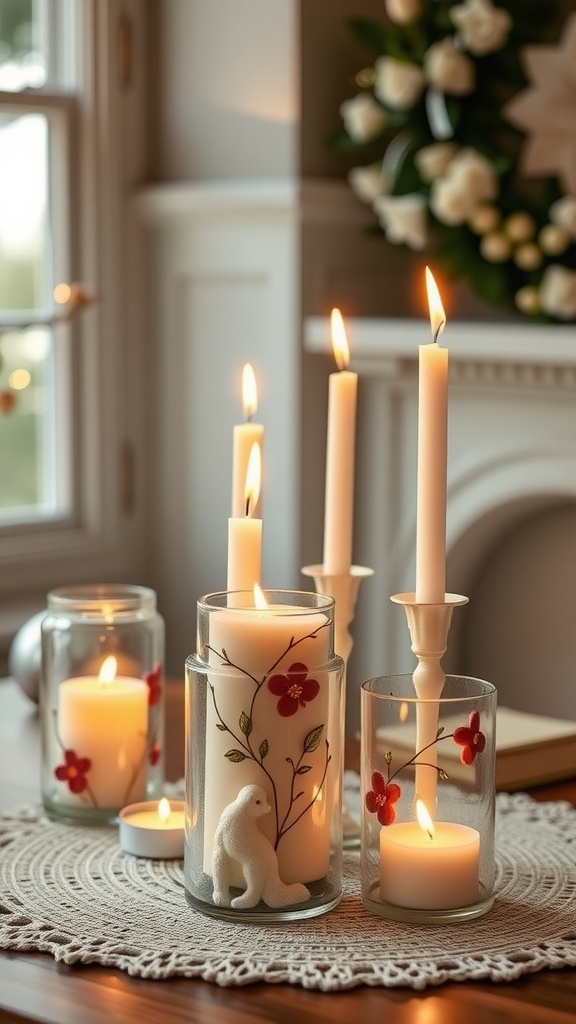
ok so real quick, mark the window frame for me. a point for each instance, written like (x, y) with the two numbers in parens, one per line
(102, 537)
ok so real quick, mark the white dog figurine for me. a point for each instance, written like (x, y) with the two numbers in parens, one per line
(238, 838)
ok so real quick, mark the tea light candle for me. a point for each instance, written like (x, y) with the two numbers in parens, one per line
(105, 718)
(429, 866)
(154, 830)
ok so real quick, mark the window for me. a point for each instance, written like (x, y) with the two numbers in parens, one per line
(71, 116)
(34, 246)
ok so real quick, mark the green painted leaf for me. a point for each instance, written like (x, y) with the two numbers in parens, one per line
(304, 769)
(313, 739)
(263, 749)
(235, 756)
(221, 727)
(245, 723)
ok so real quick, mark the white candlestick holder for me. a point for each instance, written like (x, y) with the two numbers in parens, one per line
(429, 625)
(344, 589)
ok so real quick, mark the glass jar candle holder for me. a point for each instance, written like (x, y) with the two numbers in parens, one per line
(264, 750)
(428, 797)
(101, 701)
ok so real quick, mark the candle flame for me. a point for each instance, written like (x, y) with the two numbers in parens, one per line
(424, 819)
(249, 391)
(437, 314)
(404, 711)
(253, 475)
(339, 340)
(259, 599)
(107, 673)
(163, 810)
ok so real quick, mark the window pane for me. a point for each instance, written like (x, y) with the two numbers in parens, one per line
(22, 60)
(24, 234)
(28, 443)
(27, 466)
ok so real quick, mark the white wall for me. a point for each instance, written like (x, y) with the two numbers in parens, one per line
(225, 97)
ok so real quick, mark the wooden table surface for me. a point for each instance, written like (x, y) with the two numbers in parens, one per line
(34, 987)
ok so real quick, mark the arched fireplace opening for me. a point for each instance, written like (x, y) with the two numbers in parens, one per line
(518, 630)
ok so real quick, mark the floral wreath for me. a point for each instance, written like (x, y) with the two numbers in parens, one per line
(479, 139)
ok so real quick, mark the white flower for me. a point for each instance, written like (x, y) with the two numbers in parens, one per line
(403, 219)
(398, 83)
(432, 161)
(484, 218)
(368, 182)
(363, 117)
(553, 239)
(527, 300)
(563, 213)
(520, 226)
(449, 70)
(403, 11)
(483, 28)
(558, 292)
(495, 247)
(528, 256)
(468, 181)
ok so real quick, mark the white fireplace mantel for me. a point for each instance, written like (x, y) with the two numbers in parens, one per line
(486, 342)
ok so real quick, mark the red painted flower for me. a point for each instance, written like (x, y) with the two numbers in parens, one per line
(73, 771)
(381, 798)
(154, 680)
(294, 689)
(470, 738)
(154, 754)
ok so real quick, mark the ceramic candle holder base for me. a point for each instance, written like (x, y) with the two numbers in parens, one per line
(101, 701)
(436, 867)
(429, 625)
(264, 739)
(344, 589)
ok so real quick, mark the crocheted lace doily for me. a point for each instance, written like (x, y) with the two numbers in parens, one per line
(71, 892)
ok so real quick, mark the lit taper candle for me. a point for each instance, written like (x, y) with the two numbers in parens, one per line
(339, 493)
(432, 458)
(244, 436)
(245, 533)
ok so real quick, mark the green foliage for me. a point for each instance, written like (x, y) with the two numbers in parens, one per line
(475, 119)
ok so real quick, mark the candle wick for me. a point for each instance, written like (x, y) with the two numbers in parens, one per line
(248, 506)
(439, 330)
(431, 834)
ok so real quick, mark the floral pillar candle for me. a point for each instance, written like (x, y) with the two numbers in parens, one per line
(105, 719)
(265, 711)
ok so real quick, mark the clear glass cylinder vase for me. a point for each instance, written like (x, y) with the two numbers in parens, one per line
(101, 701)
(428, 798)
(264, 752)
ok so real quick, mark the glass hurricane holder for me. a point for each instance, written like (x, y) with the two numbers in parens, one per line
(101, 701)
(264, 740)
(344, 589)
(421, 864)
